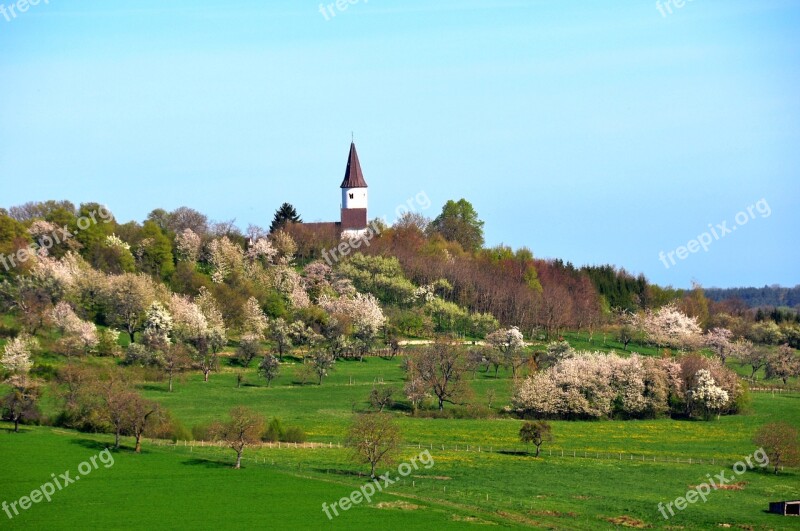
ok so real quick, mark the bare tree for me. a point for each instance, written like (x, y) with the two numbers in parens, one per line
(20, 402)
(752, 356)
(139, 416)
(322, 362)
(780, 441)
(477, 358)
(374, 438)
(783, 364)
(381, 398)
(441, 367)
(415, 390)
(249, 349)
(280, 333)
(112, 390)
(269, 368)
(244, 428)
(174, 360)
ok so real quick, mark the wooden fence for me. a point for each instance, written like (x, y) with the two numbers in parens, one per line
(476, 448)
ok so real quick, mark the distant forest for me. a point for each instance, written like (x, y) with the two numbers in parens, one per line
(773, 296)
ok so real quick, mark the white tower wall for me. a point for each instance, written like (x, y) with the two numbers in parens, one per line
(354, 198)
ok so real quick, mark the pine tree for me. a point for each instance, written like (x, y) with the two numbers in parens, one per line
(286, 213)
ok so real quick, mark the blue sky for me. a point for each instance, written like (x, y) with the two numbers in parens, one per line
(592, 131)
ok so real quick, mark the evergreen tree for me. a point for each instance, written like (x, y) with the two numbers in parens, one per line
(285, 214)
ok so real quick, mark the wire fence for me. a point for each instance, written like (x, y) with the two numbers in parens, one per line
(477, 449)
(419, 487)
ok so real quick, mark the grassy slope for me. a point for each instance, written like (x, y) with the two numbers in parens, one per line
(164, 488)
(195, 487)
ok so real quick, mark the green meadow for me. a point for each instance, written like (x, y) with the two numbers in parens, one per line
(482, 476)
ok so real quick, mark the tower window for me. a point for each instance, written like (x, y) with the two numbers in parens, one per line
(351, 196)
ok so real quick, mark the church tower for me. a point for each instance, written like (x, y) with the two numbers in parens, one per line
(354, 198)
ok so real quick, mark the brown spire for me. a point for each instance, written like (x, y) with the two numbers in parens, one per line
(353, 178)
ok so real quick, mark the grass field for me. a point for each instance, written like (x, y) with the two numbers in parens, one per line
(629, 466)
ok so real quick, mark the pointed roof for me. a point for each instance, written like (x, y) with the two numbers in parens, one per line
(353, 177)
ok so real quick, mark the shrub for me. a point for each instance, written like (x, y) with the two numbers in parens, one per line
(294, 434)
(201, 432)
(138, 354)
(44, 371)
(172, 429)
(275, 431)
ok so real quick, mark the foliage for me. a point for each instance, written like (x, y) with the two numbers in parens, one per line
(536, 433)
(459, 222)
(381, 276)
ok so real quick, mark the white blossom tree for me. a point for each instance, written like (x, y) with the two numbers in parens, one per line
(157, 327)
(187, 245)
(261, 250)
(669, 327)
(597, 385)
(17, 355)
(363, 311)
(280, 333)
(510, 342)
(783, 364)
(720, 341)
(707, 394)
(254, 321)
(79, 336)
(126, 300)
(226, 258)
(204, 330)
(20, 402)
